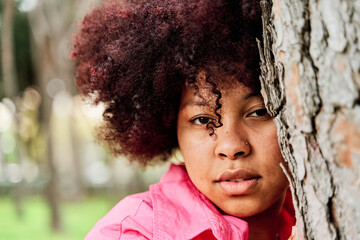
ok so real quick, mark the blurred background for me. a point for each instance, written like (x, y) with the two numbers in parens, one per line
(55, 180)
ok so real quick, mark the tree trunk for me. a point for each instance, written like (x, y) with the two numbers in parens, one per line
(310, 76)
(7, 50)
(10, 88)
(51, 24)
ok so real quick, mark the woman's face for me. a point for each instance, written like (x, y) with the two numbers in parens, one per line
(237, 168)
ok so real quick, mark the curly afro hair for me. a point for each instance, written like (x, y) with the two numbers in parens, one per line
(135, 56)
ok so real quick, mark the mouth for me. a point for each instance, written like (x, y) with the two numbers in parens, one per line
(238, 181)
(237, 175)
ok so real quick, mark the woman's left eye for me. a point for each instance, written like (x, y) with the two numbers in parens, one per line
(259, 113)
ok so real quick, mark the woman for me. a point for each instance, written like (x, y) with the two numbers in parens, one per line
(184, 75)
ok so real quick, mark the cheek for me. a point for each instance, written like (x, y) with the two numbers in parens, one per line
(195, 149)
(193, 144)
(274, 169)
(186, 143)
(270, 143)
(272, 154)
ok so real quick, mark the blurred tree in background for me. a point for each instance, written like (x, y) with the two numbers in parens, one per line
(46, 131)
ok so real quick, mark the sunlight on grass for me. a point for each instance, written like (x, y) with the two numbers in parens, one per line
(77, 219)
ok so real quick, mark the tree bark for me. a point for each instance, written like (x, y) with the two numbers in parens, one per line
(311, 81)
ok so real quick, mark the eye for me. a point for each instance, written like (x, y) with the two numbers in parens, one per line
(259, 113)
(202, 120)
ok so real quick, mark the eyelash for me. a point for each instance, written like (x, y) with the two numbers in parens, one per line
(261, 113)
(199, 118)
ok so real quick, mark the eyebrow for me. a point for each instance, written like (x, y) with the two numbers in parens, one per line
(203, 103)
(252, 94)
(200, 103)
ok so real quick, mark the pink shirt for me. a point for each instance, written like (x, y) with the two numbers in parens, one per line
(172, 209)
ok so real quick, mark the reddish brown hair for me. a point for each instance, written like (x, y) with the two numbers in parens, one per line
(136, 57)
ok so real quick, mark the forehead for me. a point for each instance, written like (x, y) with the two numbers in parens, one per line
(203, 93)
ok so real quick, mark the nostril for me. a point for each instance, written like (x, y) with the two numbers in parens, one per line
(239, 154)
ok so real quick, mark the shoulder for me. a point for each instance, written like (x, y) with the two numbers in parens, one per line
(131, 217)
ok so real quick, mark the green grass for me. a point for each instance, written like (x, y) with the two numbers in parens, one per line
(77, 219)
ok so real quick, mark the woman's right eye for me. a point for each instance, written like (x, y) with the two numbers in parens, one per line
(201, 120)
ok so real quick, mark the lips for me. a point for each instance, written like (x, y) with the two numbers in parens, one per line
(237, 182)
(241, 174)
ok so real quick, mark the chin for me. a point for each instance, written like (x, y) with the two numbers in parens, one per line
(244, 211)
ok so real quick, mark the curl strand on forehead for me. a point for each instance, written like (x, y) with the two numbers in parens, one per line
(214, 80)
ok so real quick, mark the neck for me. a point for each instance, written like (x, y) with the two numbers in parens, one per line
(265, 225)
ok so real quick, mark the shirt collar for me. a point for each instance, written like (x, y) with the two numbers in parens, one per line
(180, 208)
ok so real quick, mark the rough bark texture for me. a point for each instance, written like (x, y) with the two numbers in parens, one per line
(311, 81)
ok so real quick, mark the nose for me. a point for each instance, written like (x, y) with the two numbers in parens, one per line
(232, 143)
